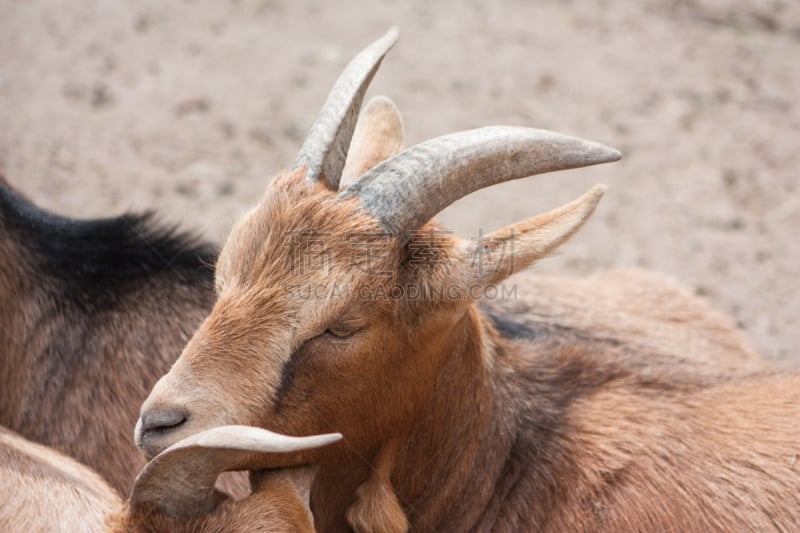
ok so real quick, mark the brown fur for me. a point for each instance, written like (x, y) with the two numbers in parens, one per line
(641, 309)
(376, 507)
(559, 423)
(275, 507)
(75, 370)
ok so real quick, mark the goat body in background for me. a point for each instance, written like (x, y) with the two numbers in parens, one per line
(94, 311)
(47, 491)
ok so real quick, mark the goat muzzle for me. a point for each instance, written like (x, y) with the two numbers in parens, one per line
(156, 425)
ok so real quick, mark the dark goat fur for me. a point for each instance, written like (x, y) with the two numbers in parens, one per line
(93, 312)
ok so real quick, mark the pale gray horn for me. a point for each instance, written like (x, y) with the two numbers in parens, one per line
(180, 480)
(409, 189)
(325, 149)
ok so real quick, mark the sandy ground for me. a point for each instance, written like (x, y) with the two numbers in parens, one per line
(190, 108)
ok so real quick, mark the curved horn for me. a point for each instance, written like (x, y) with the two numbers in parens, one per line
(325, 149)
(180, 480)
(408, 190)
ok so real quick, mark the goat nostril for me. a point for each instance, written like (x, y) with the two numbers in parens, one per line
(163, 420)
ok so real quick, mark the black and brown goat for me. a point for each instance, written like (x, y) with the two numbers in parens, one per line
(93, 312)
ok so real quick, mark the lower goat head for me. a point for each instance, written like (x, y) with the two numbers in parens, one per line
(336, 304)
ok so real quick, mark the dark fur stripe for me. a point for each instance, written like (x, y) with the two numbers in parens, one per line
(97, 260)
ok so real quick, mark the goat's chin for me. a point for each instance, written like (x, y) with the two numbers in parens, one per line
(152, 446)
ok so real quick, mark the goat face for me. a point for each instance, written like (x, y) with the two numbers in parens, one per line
(323, 323)
(335, 309)
(296, 339)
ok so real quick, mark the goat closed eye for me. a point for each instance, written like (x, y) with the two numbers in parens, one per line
(341, 332)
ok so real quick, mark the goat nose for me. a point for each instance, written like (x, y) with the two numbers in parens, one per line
(163, 419)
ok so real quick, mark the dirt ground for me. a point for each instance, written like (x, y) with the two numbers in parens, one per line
(189, 108)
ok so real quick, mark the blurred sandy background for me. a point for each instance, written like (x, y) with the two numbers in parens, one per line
(189, 108)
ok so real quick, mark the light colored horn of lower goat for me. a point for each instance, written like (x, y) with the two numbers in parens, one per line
(408, 190)
(180, 480)
(325, 149)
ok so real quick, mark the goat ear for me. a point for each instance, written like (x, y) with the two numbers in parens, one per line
(517, 246)
(378, 136)
(180, 480)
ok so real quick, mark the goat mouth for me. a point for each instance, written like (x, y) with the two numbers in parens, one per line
(159, 425)
(155, 440)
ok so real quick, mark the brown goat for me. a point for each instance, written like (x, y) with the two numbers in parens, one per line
(93, 312)
(47, 491)
(351, 311)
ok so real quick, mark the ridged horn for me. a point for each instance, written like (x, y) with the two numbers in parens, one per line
(180, 480)
(325, 149)
(408, 190)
